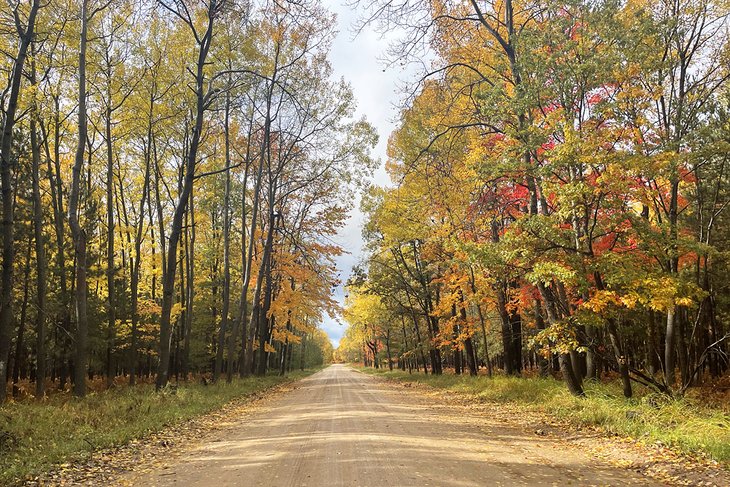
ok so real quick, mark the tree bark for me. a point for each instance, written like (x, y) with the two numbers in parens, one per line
(25, 34)
(19, 342)
(77, 232)
(471, 358)
(263, 319)
(247, 345)
(111, 287)
(246, 261)
(226, 246)
(40, 251)
(168, 278)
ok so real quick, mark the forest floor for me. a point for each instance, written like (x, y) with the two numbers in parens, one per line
(342, 427)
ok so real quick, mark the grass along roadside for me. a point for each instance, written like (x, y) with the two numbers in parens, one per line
(35, 436)
(682, 423)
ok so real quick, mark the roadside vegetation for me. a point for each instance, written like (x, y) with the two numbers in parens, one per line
(35, 436)
(689, 424)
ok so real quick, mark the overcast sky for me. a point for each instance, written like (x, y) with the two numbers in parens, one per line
(358, 62)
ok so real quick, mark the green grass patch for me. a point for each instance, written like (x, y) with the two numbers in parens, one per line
(36, 435)
(687, 424)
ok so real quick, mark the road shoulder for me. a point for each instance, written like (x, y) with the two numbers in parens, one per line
(156, 451)
(651, 460)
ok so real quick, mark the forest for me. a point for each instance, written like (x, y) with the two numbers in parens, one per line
(542, 266)
(559, 195)
(173, 174)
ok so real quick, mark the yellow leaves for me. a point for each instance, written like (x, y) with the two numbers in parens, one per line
(601, 300)
(658, 293)
(557, 338)
(630, 300)
(684, 301)
(665, 292)
(282, 335)
(545, 272)
(363, 309)
(177, 309)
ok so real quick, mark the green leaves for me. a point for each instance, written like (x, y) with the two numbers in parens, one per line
(558, 338)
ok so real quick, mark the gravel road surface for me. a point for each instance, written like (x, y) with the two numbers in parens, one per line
(341, 427)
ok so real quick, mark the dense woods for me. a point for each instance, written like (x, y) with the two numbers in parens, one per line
(173, 173)
(559, 197)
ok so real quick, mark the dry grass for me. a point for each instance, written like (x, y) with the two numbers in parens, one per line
(34, 435)
(688, 424)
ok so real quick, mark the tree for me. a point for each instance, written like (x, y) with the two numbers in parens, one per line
(203, 39)
(566, 179)
(25, 35)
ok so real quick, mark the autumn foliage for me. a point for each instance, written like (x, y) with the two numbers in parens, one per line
(175, 171)
(558, 194)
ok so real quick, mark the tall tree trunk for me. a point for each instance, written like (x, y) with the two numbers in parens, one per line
(77, 232)
(482, 323)
(572, 382)
(682, 352)
(542, 362)
(226, 245)
(417, 329)
(168, 277)
(387, 348)
(515, 320)
(456, 353)
(285, 349)
(431, 321)
(111, 288)
(302, 352)
(501, 288)
(471, 358)
(40, 252)
(504, 316)
(263, 322)
(265, 142)
(487, 359)
(621, 358)
(189, 287)
(53, 166)
(669, 355)
(406, 348)
(138, 237)
(6, 180)
(19, 342)
(246, 262)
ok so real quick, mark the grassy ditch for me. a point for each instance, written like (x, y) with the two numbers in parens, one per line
(34, 436)
(690, 425)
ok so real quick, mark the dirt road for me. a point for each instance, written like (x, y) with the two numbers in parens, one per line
(345, 428)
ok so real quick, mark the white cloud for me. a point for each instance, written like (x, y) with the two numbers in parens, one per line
(375, 87)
